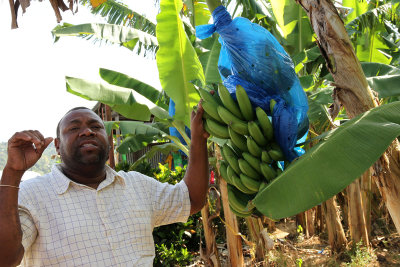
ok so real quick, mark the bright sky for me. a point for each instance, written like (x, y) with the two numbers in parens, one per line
(33, 68)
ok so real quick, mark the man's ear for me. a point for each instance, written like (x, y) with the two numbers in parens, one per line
(57, 145)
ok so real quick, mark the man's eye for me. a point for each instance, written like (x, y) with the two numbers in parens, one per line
(73, 128)
(96, 127)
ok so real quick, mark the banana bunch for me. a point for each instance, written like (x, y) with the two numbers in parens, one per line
(251, 156)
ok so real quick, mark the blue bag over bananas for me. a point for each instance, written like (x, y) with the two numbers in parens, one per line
(252, 158)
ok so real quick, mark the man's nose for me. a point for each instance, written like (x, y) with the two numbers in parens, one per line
(87, 132)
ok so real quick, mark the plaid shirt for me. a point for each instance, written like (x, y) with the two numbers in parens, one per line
(69, 224)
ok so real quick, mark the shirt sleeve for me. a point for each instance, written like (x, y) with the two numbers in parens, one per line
(28, 227)
(29, 231)
(171, 203)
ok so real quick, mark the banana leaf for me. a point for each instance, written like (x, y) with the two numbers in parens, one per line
(366, 32)
(118, 13)
(331, 165)
(209, 59)
(382, 78)
(294, 23)
(125, 36)
(125, 101)
(177, 60)
(357, 8)
(123, 80)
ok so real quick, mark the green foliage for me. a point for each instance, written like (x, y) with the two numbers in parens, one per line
(359, 255)
(166, 175)
(171, 256)
(177, 60)
(122, 35)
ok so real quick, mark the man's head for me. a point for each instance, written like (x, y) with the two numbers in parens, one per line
(82, 139)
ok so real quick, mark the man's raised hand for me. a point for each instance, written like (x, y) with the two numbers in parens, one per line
(25, 149)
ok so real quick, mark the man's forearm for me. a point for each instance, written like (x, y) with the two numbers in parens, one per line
(197, 174)
(11, 249)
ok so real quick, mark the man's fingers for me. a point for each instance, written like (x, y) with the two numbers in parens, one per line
(26, 138)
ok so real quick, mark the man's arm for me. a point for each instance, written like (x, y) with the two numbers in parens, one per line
(24, 150)
(197, 175)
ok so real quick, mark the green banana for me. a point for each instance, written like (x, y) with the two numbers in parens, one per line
(238, 140)
(236, 199)
(208, 97)
(228, 101)
(240, 201)
(265, 157)
(206, 116)
(239, 213)
(265, 123)
(247, 169)
(212, 110)
(268, 172)
(240, 127)
(272, 104)
(216, 129)
(231, 173)
(276, 155)
(223, 172)
(227, 116)
(249, 182)
(231, 158)
(234, 147)
(253, 161)
(244, 103)
(217, 98)
(254, 149)
(237, 182)
(256, 133)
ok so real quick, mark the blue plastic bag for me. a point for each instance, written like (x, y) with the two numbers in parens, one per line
(172, 130)
(252, 57)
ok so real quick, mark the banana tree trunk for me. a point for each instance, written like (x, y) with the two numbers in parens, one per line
(211, 254)
(356, 215)
(255, 227)
(336, 236)
(353, 92)
(233, 240)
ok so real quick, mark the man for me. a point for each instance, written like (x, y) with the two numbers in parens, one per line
(83, 213)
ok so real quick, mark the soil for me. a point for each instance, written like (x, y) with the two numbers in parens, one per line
(292, 248)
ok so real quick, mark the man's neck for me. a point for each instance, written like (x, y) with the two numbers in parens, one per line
(88, 176)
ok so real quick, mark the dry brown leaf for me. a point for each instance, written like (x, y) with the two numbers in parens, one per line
(57, 5)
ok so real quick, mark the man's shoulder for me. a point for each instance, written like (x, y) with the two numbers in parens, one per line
(133, 175)
(38, 180)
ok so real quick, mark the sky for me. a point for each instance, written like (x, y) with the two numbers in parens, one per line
(33, 68)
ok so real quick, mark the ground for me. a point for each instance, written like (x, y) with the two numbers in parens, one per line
(292, 248)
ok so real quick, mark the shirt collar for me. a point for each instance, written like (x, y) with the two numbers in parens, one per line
(61, 182)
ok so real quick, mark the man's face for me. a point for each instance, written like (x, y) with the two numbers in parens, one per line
(83, 139)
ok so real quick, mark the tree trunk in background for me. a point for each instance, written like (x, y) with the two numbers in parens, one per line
(356, 214)
(233, 240)
(353, 92)
(270, 224)
(211, 255)
(255, 227)
(310, 222)
(111, 158)
(366, 196)
(337, 238)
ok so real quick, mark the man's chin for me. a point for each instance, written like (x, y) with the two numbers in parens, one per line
(92, 159)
